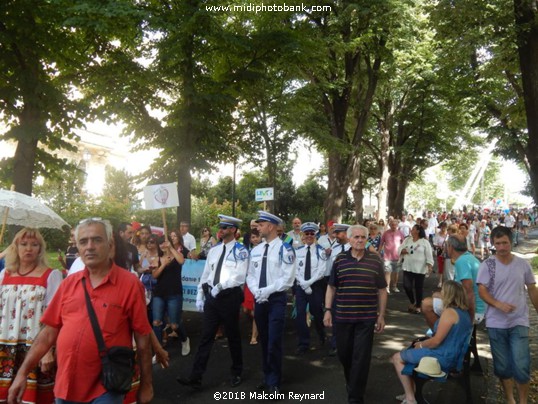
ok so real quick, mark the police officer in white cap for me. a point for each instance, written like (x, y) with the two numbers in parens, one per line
(310, 286)
(271, 272)
(340, 232)
(220, 297)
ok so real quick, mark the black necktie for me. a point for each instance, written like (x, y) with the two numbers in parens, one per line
(216, 278)
(307, 266)
(342, 248)
(263, 273)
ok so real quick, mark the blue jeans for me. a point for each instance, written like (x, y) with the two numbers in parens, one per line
(173, 305)
(106, 398)
(510, 351)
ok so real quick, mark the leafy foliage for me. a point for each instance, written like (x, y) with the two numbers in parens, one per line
(49, 49)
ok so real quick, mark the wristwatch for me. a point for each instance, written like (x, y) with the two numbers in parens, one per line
(326, 309)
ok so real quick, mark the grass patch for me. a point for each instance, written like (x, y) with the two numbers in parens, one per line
(52, 259)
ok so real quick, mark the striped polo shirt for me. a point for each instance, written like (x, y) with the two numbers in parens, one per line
(357, 284)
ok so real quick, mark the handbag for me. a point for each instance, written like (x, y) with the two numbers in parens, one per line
(117, 361)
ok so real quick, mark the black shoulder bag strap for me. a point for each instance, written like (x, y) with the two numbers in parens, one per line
(95, 324)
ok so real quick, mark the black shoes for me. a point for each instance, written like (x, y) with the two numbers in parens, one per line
(187, 381)
(235, 381)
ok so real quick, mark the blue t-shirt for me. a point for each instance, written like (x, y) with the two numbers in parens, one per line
(466, 267)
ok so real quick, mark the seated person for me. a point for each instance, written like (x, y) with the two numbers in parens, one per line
(448, 344)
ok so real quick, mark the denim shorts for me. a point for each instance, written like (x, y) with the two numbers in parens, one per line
(173, 305)
(392, 266)
(511, 354)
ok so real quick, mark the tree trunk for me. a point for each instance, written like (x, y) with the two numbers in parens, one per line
(392, 192)
(30, 130)
(527, 34)
(399, 200)
(383, 180)
(337, 189)
(356, 189)
(184, 181)
(23, 165)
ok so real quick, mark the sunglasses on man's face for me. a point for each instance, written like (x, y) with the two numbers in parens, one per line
(309, 233)
(224, 227)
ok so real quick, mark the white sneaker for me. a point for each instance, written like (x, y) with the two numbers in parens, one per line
(154, 360)
(388, 291)
(396, 290)
(186, 347)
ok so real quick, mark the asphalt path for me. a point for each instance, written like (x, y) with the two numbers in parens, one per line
(313, 373)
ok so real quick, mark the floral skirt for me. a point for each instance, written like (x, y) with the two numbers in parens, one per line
(39, 388)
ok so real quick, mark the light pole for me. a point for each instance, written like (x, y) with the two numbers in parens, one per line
(233, 188)
(236, 150)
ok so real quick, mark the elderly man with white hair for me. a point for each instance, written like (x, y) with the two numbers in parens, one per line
(355, 302)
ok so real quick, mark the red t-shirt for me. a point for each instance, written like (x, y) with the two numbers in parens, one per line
(120, 306)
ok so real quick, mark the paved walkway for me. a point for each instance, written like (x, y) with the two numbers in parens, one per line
(316, 372)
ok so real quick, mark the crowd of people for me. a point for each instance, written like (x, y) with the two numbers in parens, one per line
(339, 277)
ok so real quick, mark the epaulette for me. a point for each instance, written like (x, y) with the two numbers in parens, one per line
(320, 252)
(287, 246)
(243, 252)
(289, 257)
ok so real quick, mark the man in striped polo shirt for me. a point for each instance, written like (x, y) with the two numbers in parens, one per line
(357, 290)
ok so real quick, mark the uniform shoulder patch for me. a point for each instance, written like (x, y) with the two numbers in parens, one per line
(288, 253)
(242, 252)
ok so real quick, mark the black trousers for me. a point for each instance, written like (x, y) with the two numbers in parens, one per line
(410, 279)
(315, 302)
(354, 344)
(220, 310)
(271, 320)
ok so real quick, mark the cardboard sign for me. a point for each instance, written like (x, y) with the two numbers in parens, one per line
(161, 196)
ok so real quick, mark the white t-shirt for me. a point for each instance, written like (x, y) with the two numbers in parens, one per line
(405, 228)
(509, 221)
(77, 266)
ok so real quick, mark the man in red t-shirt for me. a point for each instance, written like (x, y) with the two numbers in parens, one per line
(119, 303)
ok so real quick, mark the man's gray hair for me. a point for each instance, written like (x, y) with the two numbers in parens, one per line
(87, 222)
(457, 242)
(356, 226)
